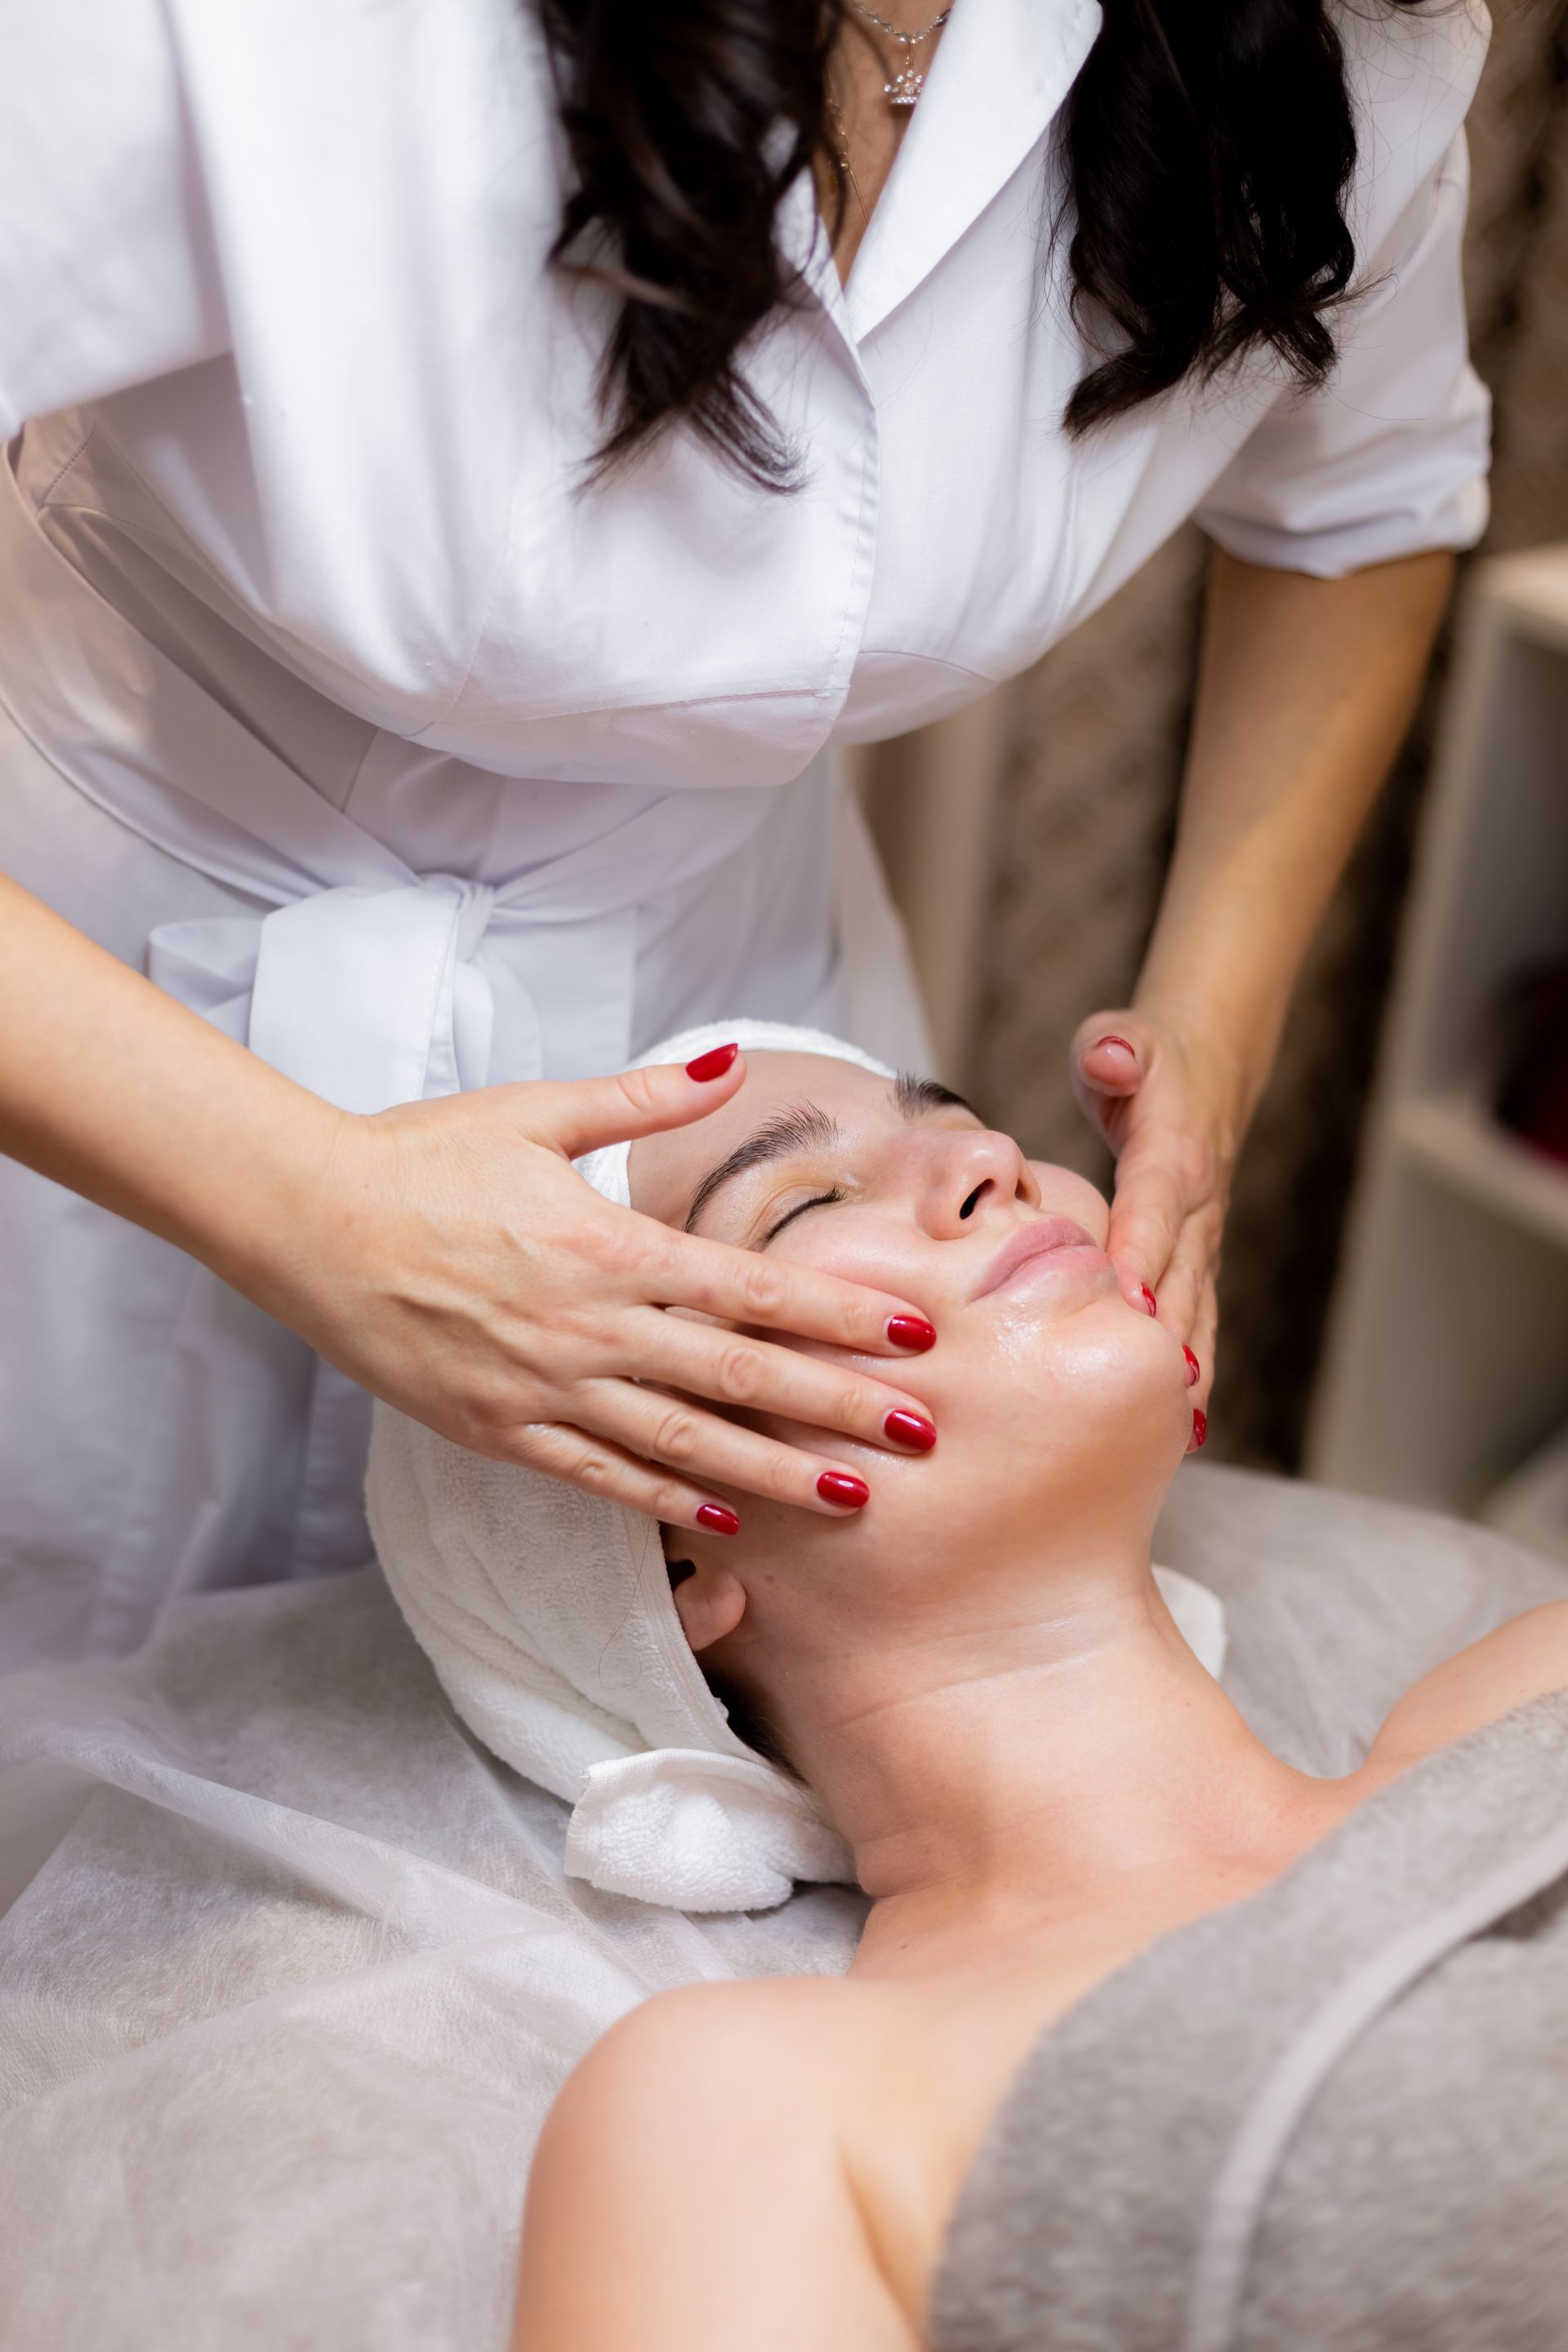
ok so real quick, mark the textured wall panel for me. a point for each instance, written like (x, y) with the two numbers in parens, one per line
(1088, 790)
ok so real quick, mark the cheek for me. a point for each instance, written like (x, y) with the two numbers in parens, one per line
(855, 1242)
(1104, 1352)
(1030, 1398)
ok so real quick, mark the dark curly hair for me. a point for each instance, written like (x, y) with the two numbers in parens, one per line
(1208, 145)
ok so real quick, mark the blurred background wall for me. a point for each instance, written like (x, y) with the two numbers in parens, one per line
(1027, 839)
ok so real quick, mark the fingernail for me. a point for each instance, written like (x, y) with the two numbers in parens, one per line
(911, 1429)
(1194, 1370)
(1151, 1303)
(1124, 1042)
(912, 1331)
(711, 1064)
(1200, 1425)
(718, 1518)
(840, 1487)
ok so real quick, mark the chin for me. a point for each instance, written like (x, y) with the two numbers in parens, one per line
(1090, 1407)
(1104, 1365)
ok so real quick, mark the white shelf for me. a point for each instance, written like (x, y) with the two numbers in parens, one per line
(1533, 590)
(1453, 1139)
(1447, 1363)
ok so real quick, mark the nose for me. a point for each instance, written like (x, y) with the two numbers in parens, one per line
(975, 1175)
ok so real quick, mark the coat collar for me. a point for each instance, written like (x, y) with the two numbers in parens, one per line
(1000, 74)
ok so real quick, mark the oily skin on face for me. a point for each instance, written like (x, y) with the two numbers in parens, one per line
(870, 1178)
(1044, 1382)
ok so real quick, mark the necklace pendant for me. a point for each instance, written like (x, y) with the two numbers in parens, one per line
(905, 86)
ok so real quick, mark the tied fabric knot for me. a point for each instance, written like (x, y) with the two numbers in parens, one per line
(700, 1832)
(370, 996)
(476, 903)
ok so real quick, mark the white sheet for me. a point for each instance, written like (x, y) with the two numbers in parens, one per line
(299, 1970)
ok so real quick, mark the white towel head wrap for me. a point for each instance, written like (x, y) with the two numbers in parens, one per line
(548, 1616)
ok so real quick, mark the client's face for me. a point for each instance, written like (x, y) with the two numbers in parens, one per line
(1056, 1403)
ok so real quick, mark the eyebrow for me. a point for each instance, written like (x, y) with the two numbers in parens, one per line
(916, 1097)
(806, 1128)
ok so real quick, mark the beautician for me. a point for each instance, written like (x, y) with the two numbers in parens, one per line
(471, 463)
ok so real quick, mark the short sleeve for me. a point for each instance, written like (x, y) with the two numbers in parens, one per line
(1389, 459)
(107, 276)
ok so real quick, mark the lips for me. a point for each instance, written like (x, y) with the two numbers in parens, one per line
(1039, 1238)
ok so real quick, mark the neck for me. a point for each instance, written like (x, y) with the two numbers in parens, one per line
(1034, 1765)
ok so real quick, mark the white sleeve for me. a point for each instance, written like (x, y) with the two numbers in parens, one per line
(1390, 457)
(106, 271)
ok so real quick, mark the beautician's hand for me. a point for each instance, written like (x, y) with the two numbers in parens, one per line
(1305, 689)
(447, 1255)
(1173, 1124)
(464, 1271)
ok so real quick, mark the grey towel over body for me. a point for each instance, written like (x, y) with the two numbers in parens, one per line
(1120, 2201)
(1334, 2116)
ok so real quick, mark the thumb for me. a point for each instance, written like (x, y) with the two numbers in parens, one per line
(584, 1114)
(1110, 1054)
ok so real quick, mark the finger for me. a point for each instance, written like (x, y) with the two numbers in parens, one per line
(1110, 1054)
(1148, 1210)
(1110, 1059)
(1202, 1341)
(599, 1467)
(701, 1447)
(1199, 1349)
(584, 1114)
(737, 1369)
(1183, 1280)
(1192, 1268)
(743, 1286)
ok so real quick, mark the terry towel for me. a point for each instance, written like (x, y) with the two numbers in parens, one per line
(1329, 2118)
(548, 1617)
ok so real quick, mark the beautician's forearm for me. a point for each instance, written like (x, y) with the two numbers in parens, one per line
(1306, 688)
(445, 1255)
(111, 1087)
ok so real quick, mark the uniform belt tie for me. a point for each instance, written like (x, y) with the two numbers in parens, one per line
(368, 996)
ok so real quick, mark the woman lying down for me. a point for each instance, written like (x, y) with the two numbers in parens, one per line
(1150, 2041)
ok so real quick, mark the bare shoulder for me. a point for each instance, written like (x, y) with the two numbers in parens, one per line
(687, 2190)
(677, 2025)
(661, 2086)
(1521, 1660)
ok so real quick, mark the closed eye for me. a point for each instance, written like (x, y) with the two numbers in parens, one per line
(817, 1201)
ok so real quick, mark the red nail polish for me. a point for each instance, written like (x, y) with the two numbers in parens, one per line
(912, 1331)
(711, 1064)
(841, 1487)
(1200, 1425)
(718, 1518)
(1151, 1303)
(1126, 1044)
(1194, 1370)
(911, 1429)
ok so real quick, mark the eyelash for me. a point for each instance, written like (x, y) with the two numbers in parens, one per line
(818, 1200)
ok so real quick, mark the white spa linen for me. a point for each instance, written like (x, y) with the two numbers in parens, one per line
(548, 1616)
(297, 1978)
(290, 1971)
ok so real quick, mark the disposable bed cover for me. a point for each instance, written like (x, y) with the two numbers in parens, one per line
(291, 1970)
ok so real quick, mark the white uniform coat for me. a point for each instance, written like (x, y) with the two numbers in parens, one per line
(334, 700)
